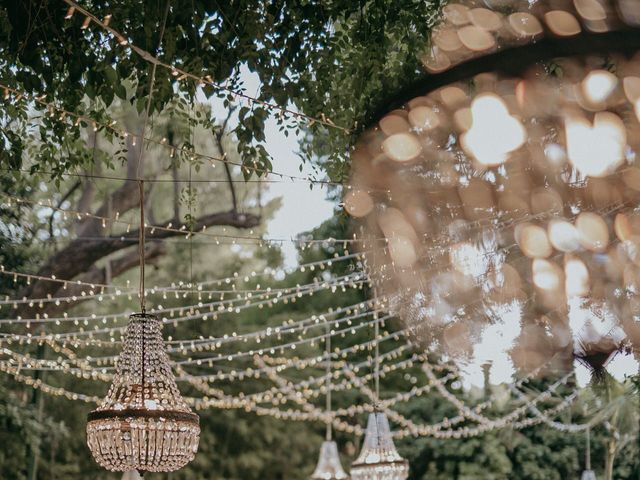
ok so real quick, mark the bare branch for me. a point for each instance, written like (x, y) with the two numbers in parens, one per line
(64, 198)
(219, 135)
(100, 275)
(81, 254)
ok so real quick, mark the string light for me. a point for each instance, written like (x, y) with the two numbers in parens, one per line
(65, 115)
(231, 282)
(183, 229)
(206, 80)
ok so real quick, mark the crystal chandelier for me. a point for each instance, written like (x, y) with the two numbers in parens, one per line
(504, 186)
(329, 466)
(143, 423)
(379, 459)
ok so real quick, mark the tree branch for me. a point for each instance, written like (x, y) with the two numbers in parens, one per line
(81, 254)
(122, 200)
(102, 275)
(64, 198)
(219, 136)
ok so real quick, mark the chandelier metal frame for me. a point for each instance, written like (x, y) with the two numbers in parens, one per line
(514, 61)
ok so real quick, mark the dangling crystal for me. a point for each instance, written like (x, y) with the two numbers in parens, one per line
(143, 423)
(379, 459)
(329, 466)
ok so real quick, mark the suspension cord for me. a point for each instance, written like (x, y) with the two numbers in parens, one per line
(328, 366)
(141, 248)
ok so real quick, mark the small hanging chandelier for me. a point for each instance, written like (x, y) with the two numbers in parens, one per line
(131, 475)
(329, 466)
(143, 423)
(379, 459)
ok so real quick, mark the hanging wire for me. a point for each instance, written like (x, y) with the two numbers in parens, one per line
(377, 356)
(141, 243)
(328, 378)
(587, 460)
(152, 82)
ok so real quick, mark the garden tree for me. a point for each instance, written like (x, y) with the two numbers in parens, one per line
(621, 424)
(83, 248)
(21, 422)
(332, 60)
(101, 250)
(240, 445)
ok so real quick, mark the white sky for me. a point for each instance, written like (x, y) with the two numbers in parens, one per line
(302, 209)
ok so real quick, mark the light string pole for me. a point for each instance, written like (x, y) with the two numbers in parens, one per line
(141, 247)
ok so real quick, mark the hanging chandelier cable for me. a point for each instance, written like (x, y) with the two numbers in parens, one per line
(142, 291)
(328, 374)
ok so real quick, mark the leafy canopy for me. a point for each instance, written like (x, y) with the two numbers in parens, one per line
(334, 59)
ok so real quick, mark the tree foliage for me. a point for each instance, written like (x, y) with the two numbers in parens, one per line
(331, 60)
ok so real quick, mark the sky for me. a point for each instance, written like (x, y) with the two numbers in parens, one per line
(302, 208)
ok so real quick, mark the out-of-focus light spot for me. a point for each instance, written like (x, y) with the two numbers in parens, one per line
(599, 85)
(358, 203)
(596, 150)
(524, 24)
(546, 275)
(593, 230)
(402, 251)
(423, 118)
(563, 236)
(494, 132)
(533, 240)
(476, 39)
(402, 147)
(562, 23)
(392, 124)
(590, 10)
(576, 277)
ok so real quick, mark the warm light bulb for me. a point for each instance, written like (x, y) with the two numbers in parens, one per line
(546, 275)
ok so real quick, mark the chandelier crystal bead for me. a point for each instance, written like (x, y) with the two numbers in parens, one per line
(143, 423)
(379, 459)
(329, 466)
